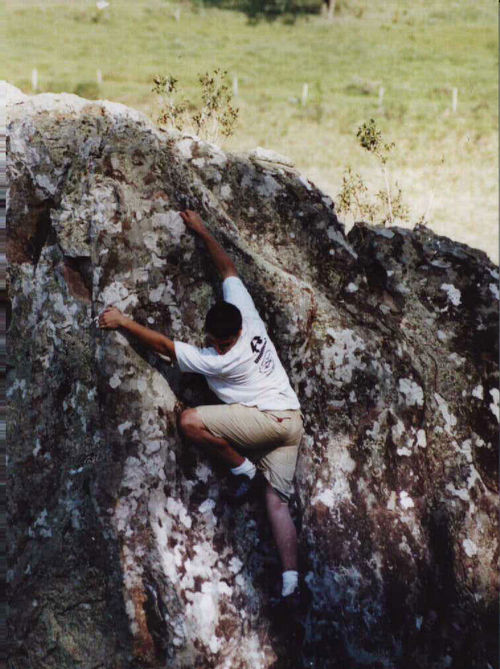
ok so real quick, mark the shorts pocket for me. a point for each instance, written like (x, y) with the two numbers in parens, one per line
(281, 426)
(280, 419)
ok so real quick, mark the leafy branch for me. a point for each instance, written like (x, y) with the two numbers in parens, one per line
(354, 198)
(217, 115)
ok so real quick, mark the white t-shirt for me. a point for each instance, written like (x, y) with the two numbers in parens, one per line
(250, 372)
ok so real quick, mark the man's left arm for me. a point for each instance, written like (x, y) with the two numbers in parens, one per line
(113, 319)
(233, 289)
(225, 266)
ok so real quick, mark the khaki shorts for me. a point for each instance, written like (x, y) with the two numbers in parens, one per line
(270, 438)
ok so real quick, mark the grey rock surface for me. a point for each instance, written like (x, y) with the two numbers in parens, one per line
(122, 552)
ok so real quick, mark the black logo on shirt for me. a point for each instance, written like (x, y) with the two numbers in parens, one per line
(258, 346)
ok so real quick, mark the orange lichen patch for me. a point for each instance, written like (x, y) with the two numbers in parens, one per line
(22, 238)
(321, 512)
(17, 251)
(143, 645)
(160, 195)
(75, 282)
(93, 110)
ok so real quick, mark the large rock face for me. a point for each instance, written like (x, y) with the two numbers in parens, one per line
(122, 552)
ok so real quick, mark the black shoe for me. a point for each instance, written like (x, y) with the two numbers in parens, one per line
(295, 604)
(287, 617)
(290, 604)
(241, 488)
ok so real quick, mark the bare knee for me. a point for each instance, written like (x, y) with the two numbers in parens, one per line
(190, 423)
(273, 500)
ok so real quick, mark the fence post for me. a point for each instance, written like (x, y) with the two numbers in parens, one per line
(454, 99)
(99, 77)
(305, 93)
(235, 87)
(381, 92)
(34, 79)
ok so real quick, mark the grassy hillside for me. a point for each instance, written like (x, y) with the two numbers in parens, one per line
(417, 50)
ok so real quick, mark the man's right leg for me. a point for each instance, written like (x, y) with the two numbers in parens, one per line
(193, 428)
(192, 424)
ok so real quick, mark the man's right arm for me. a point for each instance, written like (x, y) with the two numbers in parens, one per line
(189, 358)
(112, 319)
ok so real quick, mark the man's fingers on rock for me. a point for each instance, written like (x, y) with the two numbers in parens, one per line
(103, 320)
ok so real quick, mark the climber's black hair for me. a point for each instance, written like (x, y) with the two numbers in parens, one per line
(223, 320)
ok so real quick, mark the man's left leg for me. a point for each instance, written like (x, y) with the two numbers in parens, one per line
(250, 429)
(283, 528)
(278, 467)
(285, 536)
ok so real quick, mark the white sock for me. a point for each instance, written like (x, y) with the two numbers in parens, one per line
(290, 582)
(247, 467)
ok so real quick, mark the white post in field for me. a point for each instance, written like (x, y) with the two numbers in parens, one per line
(99, 77)
(454, 99)
(177, 14)
(235, 87)
(381, 92)
(34, 79)
(305, 93)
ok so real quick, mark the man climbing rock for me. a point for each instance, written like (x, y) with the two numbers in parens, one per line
(260, 417)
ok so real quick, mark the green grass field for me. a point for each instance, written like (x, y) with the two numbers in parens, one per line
(418, 51)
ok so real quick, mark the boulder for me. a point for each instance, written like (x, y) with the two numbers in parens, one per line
(122, 552)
